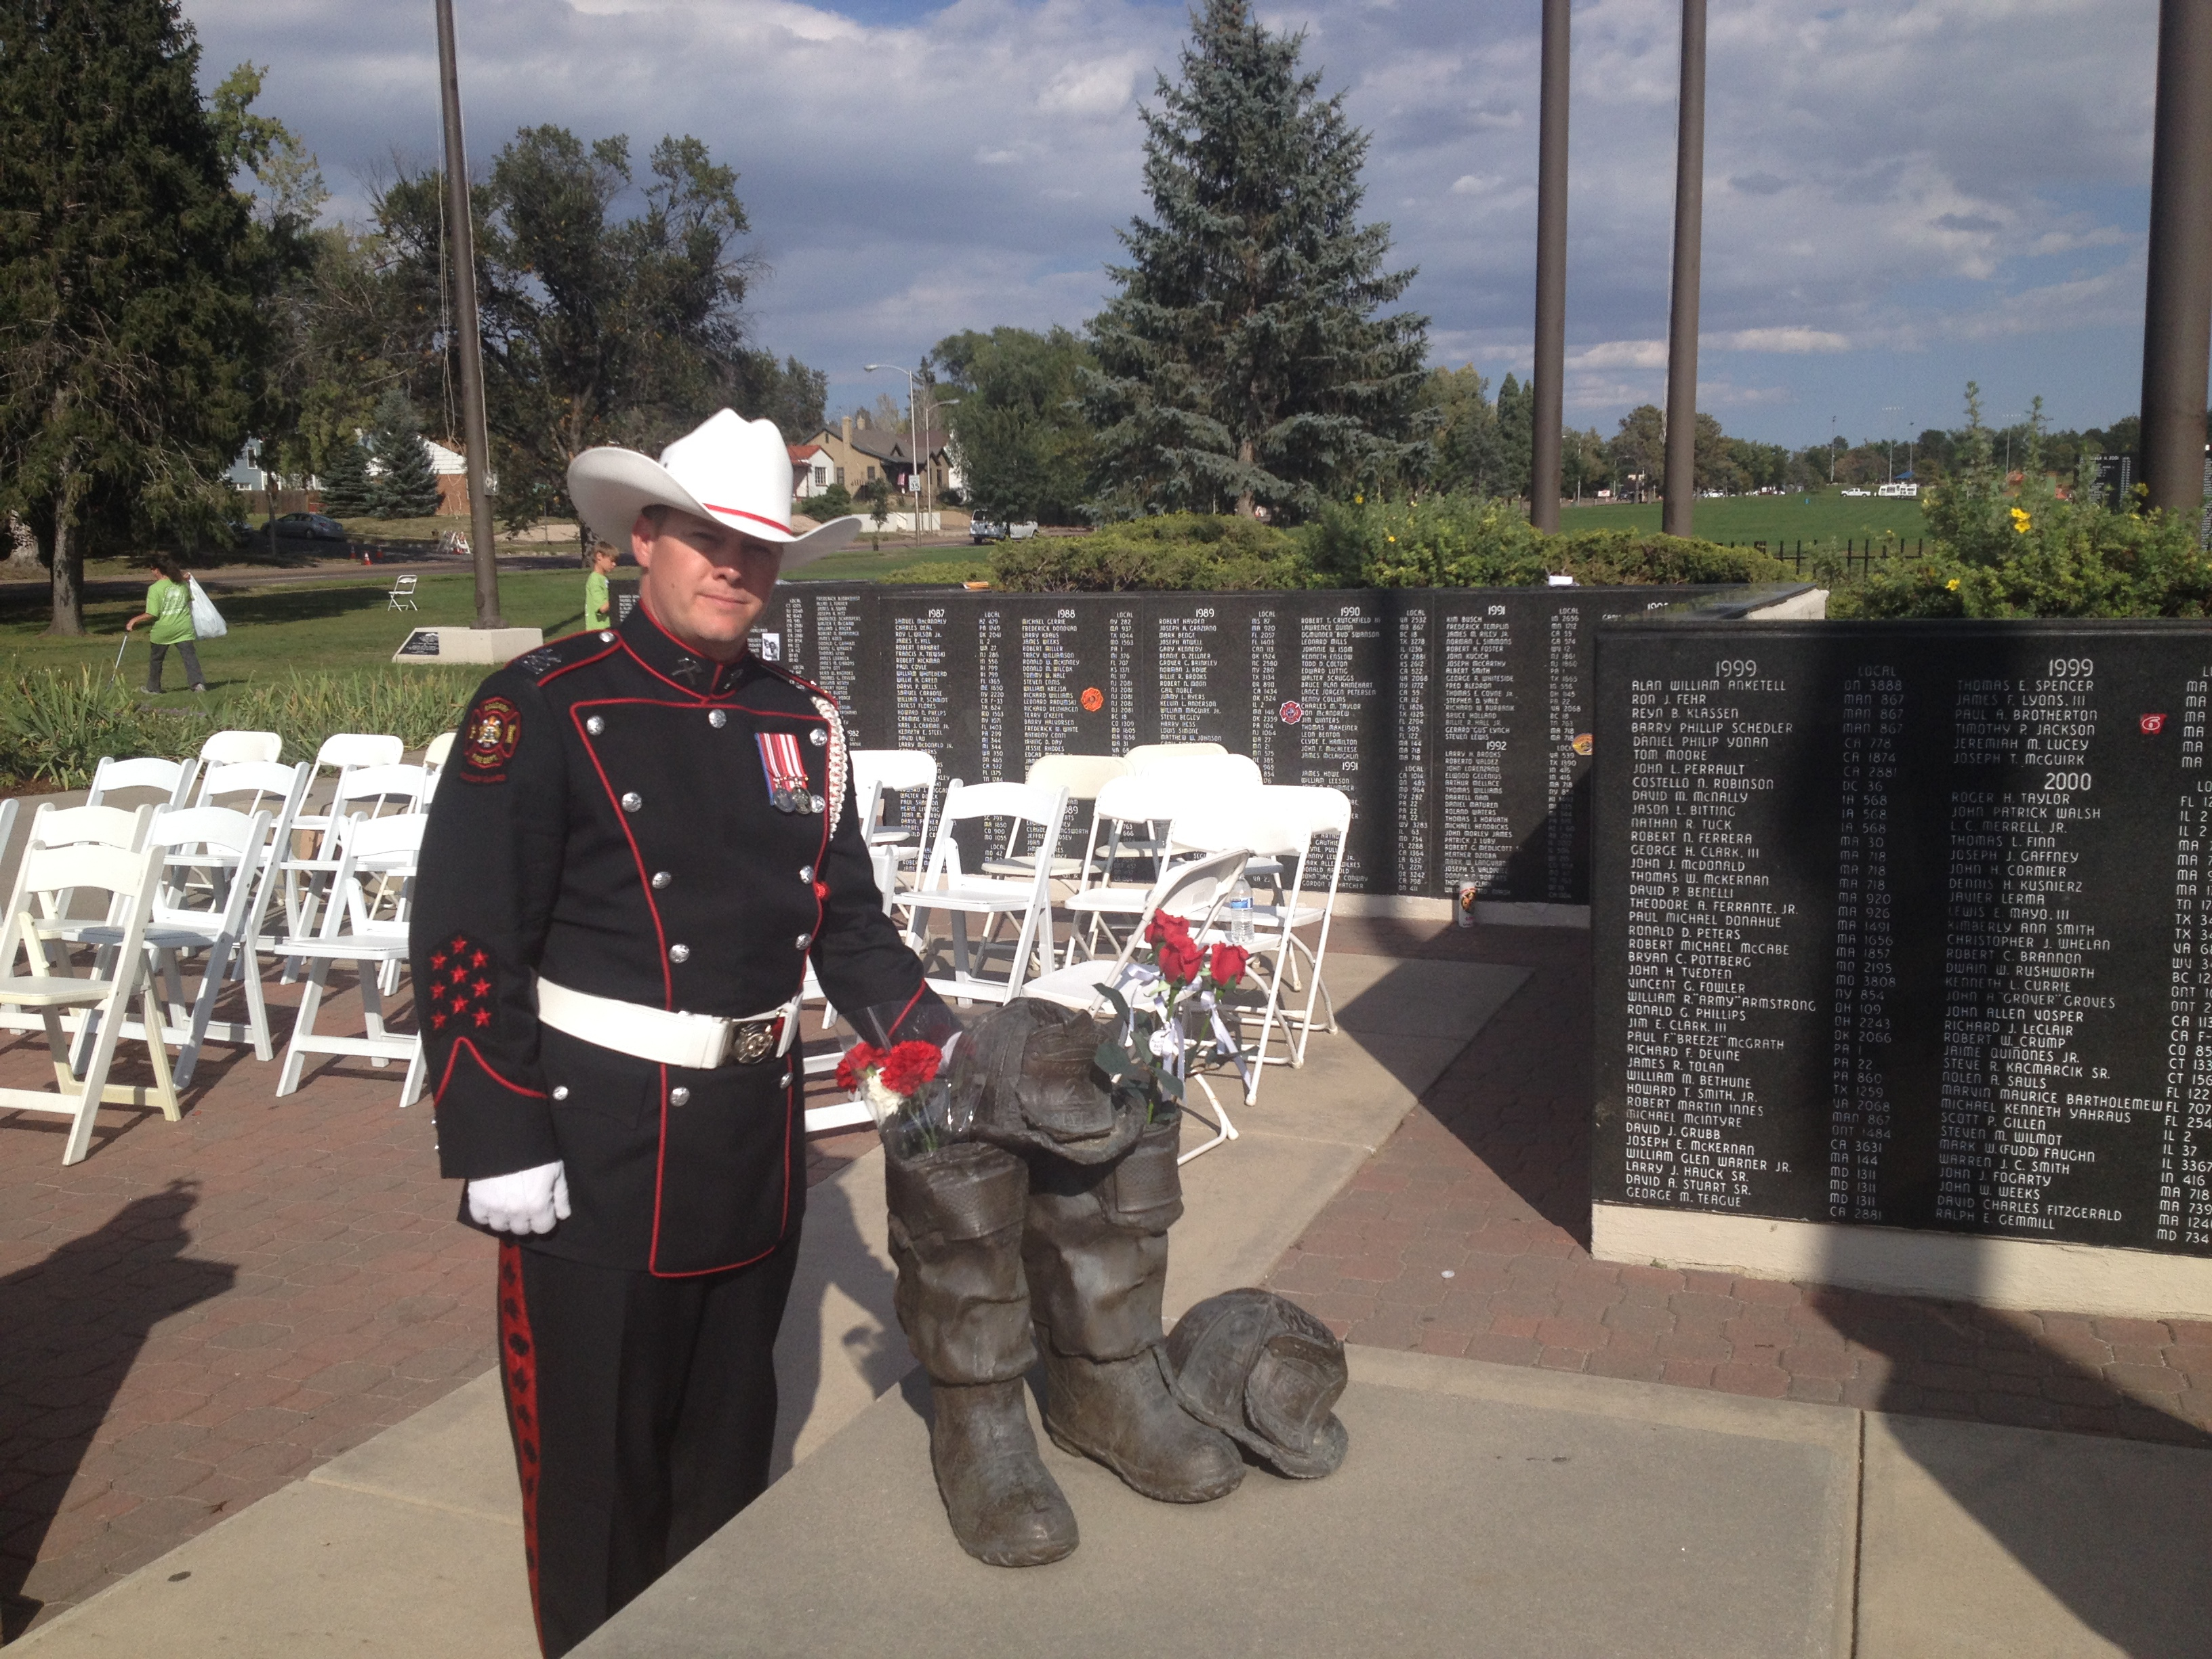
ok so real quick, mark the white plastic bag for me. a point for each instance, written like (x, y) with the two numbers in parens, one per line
(207, 621)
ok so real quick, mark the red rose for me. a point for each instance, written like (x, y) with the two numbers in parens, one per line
(1227, 966)
(910, 1067)
(1178, 959)
(1165, 927)
(858, 1059)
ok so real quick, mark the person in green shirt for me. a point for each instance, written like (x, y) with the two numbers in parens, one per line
(169, 608)
(597, 612)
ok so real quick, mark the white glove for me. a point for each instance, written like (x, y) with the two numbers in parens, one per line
(526, 1201)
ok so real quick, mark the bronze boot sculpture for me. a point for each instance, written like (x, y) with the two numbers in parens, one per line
(956, 1231)
(1096, 1252)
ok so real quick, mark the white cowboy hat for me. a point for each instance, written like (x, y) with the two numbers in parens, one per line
(729, 470)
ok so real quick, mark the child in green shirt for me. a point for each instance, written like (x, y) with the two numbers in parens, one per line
(597, 611)
(169, 608)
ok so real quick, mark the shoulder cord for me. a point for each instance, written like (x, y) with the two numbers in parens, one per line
(837, 767)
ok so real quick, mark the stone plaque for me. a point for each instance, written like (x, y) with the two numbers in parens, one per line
(1906, 924)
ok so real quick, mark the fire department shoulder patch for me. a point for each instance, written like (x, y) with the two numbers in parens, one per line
(487, 739)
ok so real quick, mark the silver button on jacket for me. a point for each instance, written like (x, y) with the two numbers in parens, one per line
(632, 801)
(679, 953)
(662, 878)
(717, 719)
(679, 1096)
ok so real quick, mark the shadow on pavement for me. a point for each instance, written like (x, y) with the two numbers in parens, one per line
(74, 1324)
(2086, 1520)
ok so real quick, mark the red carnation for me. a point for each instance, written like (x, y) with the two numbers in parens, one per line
(858, 1059)
(1178, 959)
(1227, 966)
(910, 1067)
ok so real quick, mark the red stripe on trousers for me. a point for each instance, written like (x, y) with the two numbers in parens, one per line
(518, 1376)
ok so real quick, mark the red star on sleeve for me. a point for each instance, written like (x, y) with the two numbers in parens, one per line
(483, 1016)
(482, 988)
(459, 975)
(477, 959)
(438, 960)
(459, 944)
(437, 1021)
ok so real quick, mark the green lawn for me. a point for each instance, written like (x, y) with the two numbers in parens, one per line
(1828, 519)
(339, 624)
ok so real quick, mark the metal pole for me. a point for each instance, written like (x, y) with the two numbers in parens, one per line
(2178, 296)
(468, 338)
(1681, 487)
(1551, 271)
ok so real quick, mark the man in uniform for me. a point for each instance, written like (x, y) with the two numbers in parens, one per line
(645, 835)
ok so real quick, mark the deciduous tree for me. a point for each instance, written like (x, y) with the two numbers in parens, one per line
(1025, 450)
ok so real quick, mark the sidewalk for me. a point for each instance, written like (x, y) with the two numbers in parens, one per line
(1684, 1519)
(410, 1543)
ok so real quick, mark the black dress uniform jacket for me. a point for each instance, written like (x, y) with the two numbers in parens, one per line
(606, 820)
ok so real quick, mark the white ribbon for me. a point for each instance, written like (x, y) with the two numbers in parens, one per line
(1136, 981)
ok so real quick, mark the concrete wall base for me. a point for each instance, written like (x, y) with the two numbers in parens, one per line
(446, 646)
(1496, 913)
(1993, 1273)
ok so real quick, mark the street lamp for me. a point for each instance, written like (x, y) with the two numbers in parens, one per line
(914, 434)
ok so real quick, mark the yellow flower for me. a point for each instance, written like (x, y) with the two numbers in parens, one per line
(1953, 584)
(1359, 501)
(1390, 539)
(2020, 521)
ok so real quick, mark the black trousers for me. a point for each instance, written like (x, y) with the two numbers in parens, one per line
(643, 1412)
(191, 661)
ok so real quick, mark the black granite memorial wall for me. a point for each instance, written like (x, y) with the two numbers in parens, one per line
(1906, 924)
(1456, 720)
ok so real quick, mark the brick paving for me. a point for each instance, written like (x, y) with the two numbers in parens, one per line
(1468, 1234)
(202, 1312)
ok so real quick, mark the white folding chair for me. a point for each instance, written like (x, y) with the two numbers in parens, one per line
(1193, 889)
(367, 927)
(170, 778)
(1122, 819)
(1145, 756)
(372, 792)
(342, 751)
(945, 885)
(435, 752)
(1263, 825)
(233, 748)
(222, 850)
(1328, 813)
(402, 596)
(281, 791)
(128, 879)
(1082, 776)
(899, 772)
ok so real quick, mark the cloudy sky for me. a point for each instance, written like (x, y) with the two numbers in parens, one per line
(1901, 195)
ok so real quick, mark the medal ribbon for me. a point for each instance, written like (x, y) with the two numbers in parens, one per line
(780, 761)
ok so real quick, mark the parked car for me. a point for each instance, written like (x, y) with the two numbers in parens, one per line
(1858, 492)
(997, 530)
(311, 527)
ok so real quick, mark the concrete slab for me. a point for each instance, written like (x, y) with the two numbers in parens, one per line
(1992, 1543)
(1600, 1518)
(316, 1568)
(839, 1351)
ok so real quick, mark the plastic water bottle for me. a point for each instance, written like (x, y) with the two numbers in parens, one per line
(1240, 913)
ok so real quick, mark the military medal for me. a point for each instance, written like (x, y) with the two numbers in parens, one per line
(786, 773)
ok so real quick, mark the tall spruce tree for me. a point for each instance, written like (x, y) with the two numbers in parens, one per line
(348, 491)
(407, 486)
(1516, 431)
(132, 275)
(1243, 363)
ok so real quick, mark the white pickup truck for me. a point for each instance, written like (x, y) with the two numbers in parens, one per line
(996, 530)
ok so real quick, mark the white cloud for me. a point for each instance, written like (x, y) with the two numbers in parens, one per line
(1793, 340)
(1885, 182)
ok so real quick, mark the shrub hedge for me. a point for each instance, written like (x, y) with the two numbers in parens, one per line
(56, 724)
(1443, 541)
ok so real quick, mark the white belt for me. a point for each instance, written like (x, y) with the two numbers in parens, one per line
(697, 1042)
